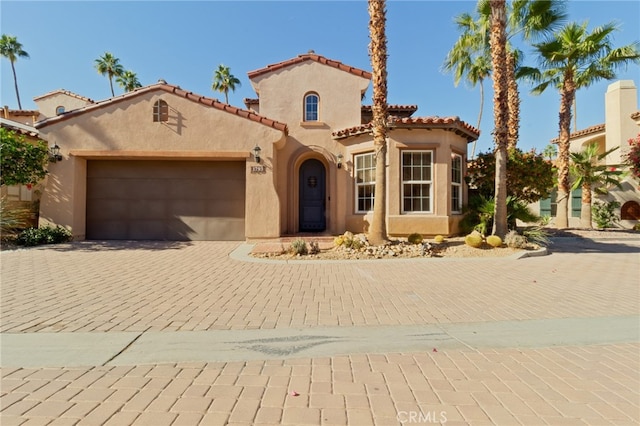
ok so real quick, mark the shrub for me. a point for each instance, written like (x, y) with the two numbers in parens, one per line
(339, 240)
(515, 240)
(314, 247)
(636, 227)
(604, 214)
(298, 246)
(44, 235)
(473, 240)
(414, 238)
(494, 241)
(537, 235)
(439, 239)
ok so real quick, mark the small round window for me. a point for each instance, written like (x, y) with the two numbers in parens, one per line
(59, 110)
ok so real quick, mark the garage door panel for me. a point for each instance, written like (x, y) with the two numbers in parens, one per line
(165, 200)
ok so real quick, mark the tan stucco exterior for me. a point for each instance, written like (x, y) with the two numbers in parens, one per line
(199, 128)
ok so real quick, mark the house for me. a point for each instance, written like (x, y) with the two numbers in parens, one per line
(164, 163)
(622, 121)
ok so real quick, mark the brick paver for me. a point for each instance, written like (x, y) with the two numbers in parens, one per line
(196, 286)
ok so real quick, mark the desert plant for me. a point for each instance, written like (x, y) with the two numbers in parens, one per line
(636, 227)
(314, 247)
(604, 214)
(474, 240)
(415, 238)
(44, 235)
(494, 241)
(515, 240)
(338, 241)
(298, 246)
(438, 239)
(537, 235)
(545, 220)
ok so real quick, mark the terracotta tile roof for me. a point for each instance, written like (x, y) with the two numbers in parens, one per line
(22, 112)
(635, 115)
(64, 92)
(412, 108)
(589, 130)
(214, 103)
(20, 128)
(311, 56)
(453, 124)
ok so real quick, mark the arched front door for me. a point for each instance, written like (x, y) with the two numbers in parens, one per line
(312, 197)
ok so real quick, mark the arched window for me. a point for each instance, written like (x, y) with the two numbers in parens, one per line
(311, 102)
(160, 111)
(59, 110)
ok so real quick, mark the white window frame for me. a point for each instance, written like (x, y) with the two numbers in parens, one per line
(428, 181)
(456, 184)
(317, 107)
(364, 169)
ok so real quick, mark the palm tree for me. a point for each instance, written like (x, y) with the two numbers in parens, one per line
(471, 55)
(592, 175)
(223, 81)
(11, 49)
(498, 43)
(575, 58)
(110, 66)
(128, 80)
(378, 54)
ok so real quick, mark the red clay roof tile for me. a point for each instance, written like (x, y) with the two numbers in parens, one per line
(64, 92)
(453, 124)
(589, 130)
(310, 57)
(171, 89)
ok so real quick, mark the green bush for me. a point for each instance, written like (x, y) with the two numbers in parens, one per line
(44, 235)
(604, 214)
(414, 238)
(537, 235)
(636, 227)
(494, 241)
(474, 240)
(298, 246)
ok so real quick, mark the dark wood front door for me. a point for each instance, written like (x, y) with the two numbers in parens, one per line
(312, 197)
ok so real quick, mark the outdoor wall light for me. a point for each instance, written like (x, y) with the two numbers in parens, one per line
(339, 158)
(256, 153)
(54, 154)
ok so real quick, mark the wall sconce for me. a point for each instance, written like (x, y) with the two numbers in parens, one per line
(339, 158)
(256, 153)
(54, 154)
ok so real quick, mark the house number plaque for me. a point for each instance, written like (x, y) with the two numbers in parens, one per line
(257, 169)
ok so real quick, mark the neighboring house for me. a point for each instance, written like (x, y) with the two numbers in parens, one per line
(622, 121)
(164, 163)
(22, 196)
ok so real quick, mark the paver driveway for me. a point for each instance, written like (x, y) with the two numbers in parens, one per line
(168, 287)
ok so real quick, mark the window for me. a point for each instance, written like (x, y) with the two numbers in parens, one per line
(549, 206)
(456, 183)
(416, 181)
(160, 111)
(365, 181)
(311, 102)
(59, 110)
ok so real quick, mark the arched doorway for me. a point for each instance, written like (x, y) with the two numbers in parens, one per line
(312, 197)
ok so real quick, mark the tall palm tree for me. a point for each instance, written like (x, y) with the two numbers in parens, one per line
(110, 66)
(223, 81)
(575, 58)
(378, 53)
(128, 80)
(525, 18)
(498, 42)
(11, 49)
(592, 175)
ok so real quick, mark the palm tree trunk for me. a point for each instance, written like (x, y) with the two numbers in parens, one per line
(585, 209)
(513, 101)
(566, 99)
(473, 147)
(15, 83)
(378, 52)
(111, 85)
(498, 41)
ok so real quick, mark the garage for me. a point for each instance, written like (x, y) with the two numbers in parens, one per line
(165, 200)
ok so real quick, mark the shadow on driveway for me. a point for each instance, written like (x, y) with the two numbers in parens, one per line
(588, 245)
(113, 245)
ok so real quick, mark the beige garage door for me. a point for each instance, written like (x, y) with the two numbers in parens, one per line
(165, 200)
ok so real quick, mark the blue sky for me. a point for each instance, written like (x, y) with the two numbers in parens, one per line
(183, 42)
